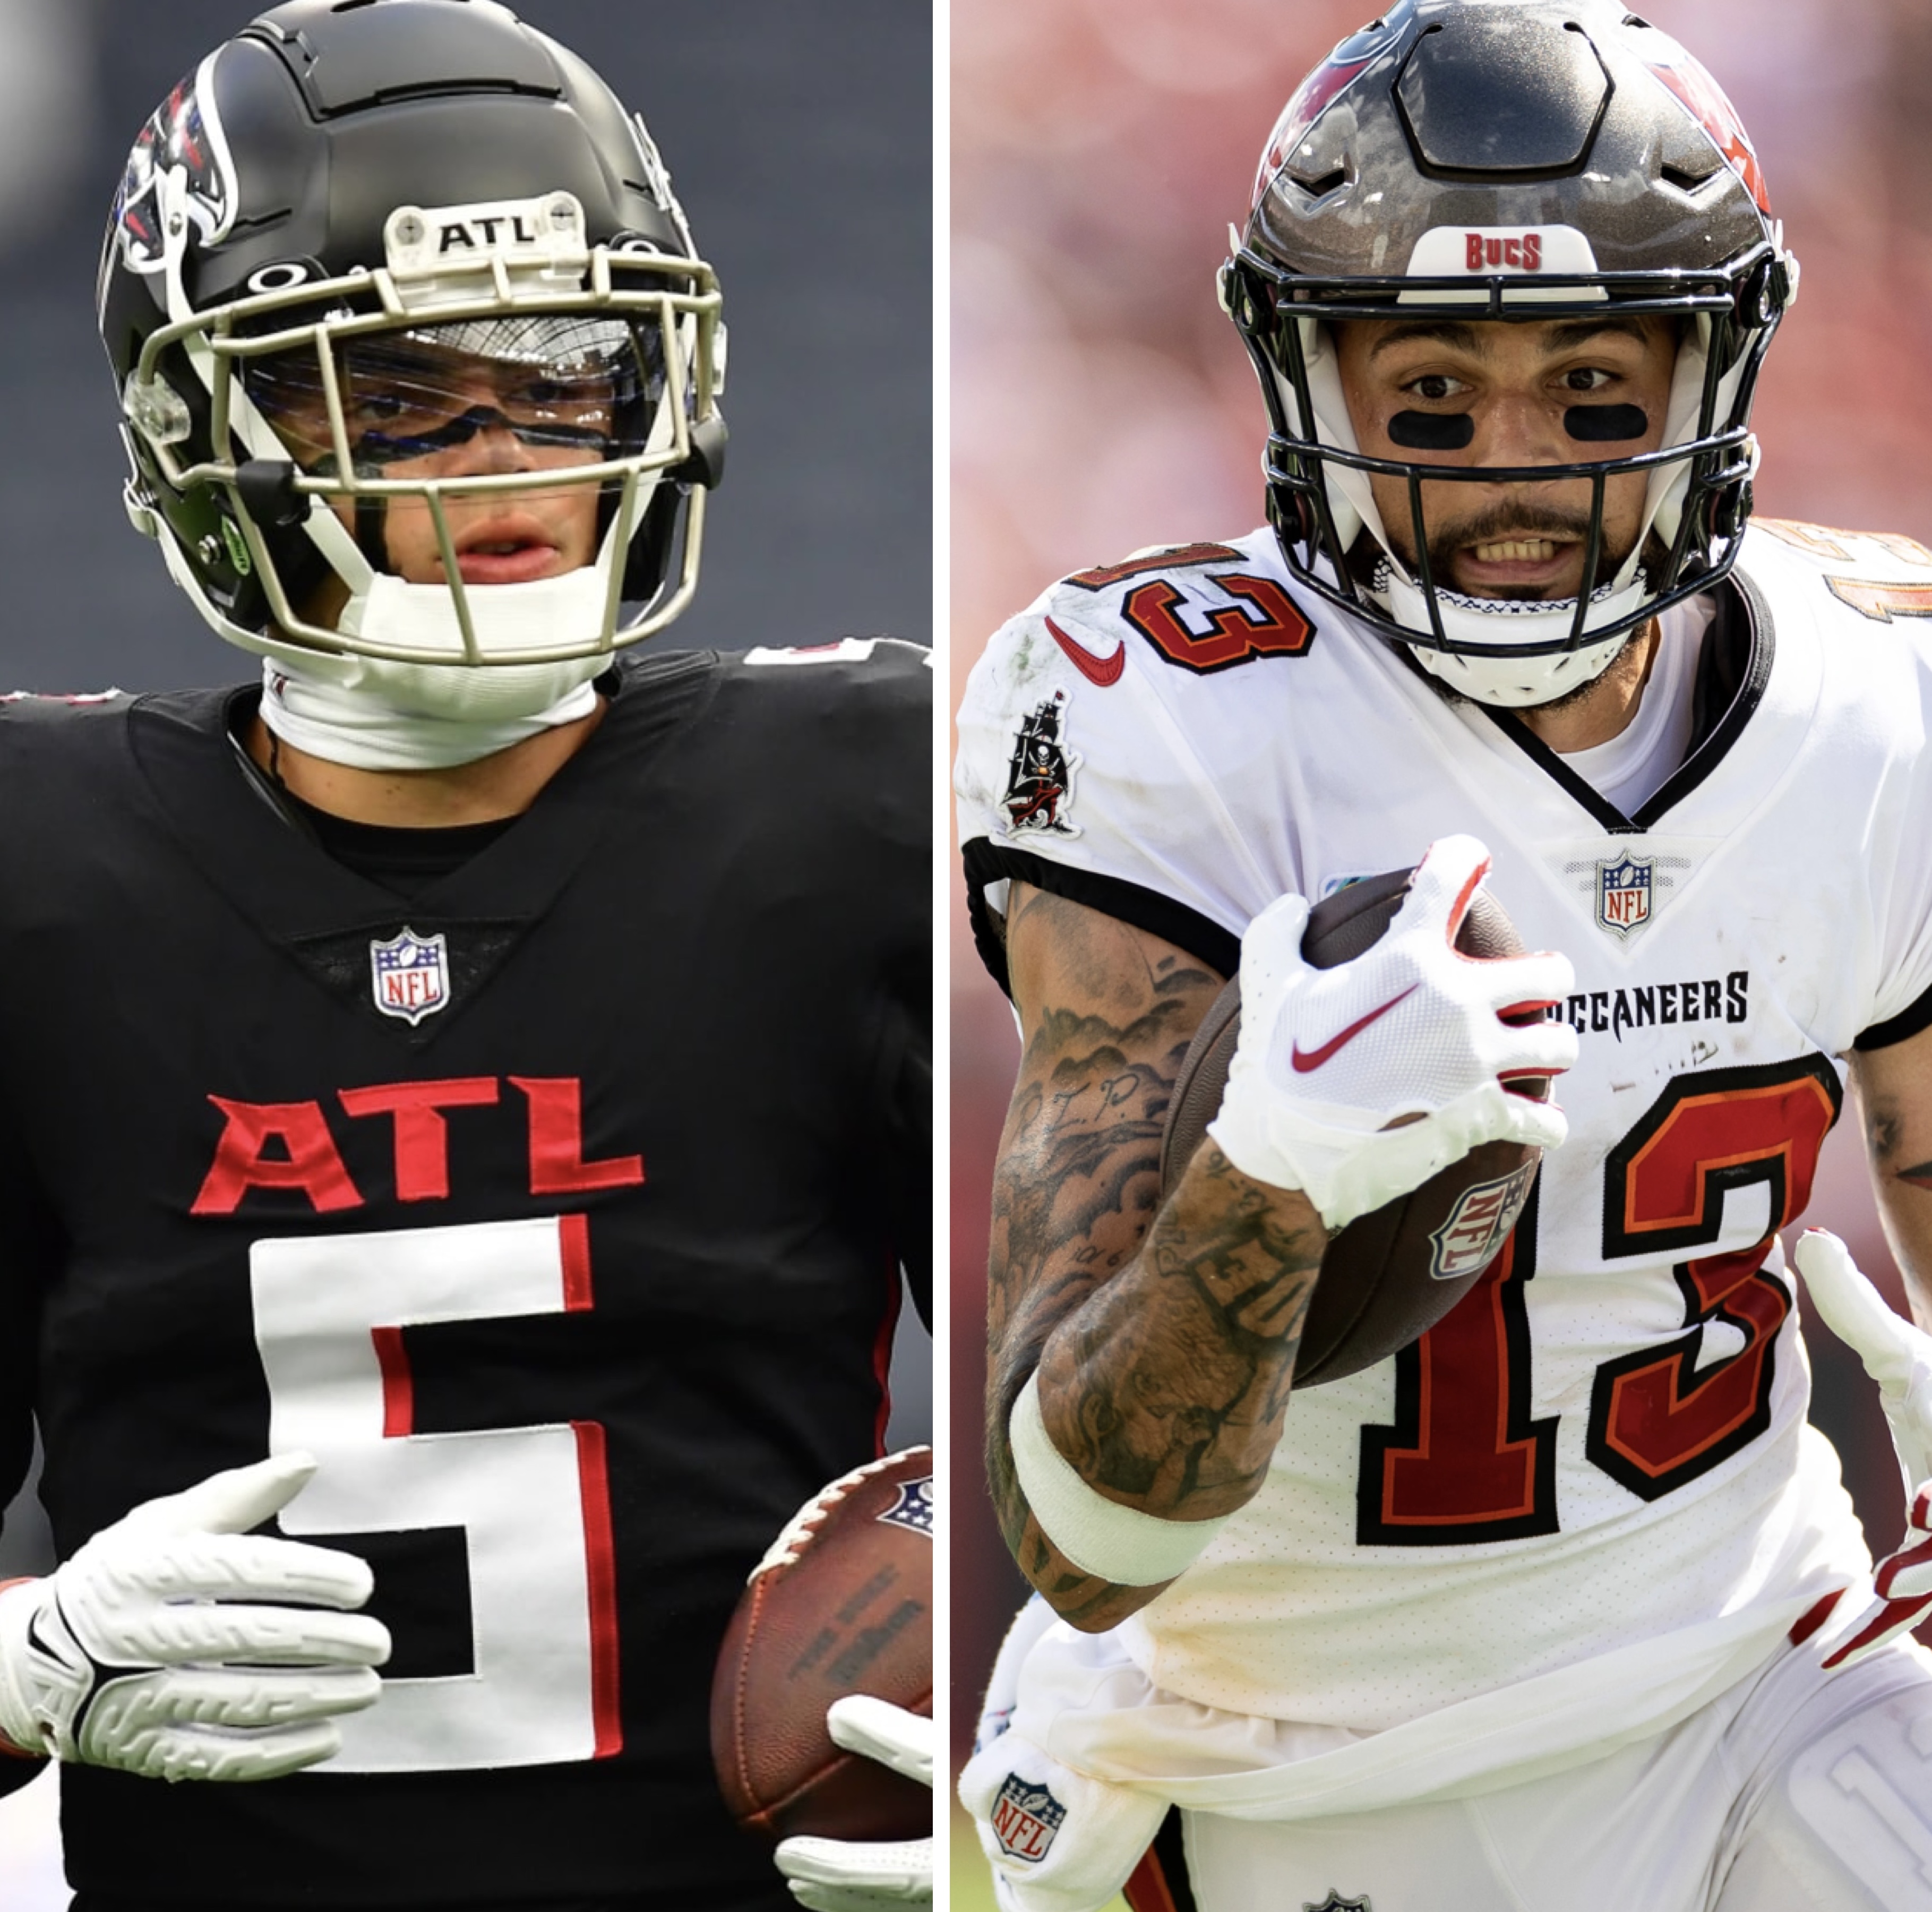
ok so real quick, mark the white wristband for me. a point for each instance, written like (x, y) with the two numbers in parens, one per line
(1099, 1536)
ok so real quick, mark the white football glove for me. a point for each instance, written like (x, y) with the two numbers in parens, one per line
(1898, 1357)
(853, 1875)
(1332, 1063)
(177, 1645)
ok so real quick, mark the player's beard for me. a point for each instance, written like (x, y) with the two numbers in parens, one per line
(1509, 519)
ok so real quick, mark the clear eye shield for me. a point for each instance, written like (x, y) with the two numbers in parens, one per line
(563, 384)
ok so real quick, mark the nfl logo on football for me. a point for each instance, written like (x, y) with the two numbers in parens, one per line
(410, 975)
(1623, 893)
(913, 1508)
(1479, 1225)
(1025, 1819)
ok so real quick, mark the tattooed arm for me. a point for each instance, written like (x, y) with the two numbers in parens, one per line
(1164, 1342)
(1894, 1087)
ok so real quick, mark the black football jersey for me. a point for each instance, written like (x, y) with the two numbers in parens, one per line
(559, 1207)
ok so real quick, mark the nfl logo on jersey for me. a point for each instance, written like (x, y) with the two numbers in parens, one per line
(410, 975)
(1025, 1819)
(1623, 893)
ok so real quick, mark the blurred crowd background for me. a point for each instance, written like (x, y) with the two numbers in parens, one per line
(1101, 403)
(801, 141)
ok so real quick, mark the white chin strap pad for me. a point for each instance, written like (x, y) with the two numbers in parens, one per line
(1517, 682)
(380, 715)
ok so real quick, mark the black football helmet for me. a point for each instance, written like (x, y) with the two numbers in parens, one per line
(360, 232)
(1516, 161)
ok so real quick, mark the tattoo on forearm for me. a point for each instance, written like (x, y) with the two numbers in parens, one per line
(1182, 1376)
(1071, 1200)
(1165, 1343)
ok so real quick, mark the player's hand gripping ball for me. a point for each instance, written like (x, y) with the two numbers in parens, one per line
(178, 1645)
(840, 1606)
(862, 1875)
(1389, 1052)
(1898, 1357)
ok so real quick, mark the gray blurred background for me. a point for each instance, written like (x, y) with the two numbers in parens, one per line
(799, 132)
(1101, 404)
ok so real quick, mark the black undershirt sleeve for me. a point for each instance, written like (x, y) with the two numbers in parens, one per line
(987, 862)
(1908, 1022)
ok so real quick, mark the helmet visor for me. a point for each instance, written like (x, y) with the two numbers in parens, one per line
(571, 388)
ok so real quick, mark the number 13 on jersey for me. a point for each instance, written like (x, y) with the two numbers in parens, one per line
(1464, 1460)
(533, 1502)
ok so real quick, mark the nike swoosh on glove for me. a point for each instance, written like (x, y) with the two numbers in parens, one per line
(177, 1645)
(853, 1875)
(1898, 1357)
(1356, 1084)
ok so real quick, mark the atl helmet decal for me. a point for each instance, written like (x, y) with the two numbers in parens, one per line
(1712, 110)
(409, 975)
(913, 1508)
(1025, 1818)
(1039, 778)
(1624, 888)
(184, 131)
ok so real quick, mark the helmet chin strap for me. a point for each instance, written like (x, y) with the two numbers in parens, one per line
(383, 713)
(380, 715)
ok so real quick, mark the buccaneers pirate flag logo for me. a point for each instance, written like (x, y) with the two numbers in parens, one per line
(1040, 779)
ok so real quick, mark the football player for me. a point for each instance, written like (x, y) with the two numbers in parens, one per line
(1563, 1607)
(471, 1104)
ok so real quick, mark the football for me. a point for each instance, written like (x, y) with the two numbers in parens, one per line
(1391, 1274)
(841, 1604)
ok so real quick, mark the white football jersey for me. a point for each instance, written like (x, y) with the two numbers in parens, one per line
(1604, 1443)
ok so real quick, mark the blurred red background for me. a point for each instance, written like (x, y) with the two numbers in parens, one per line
(1101, 403)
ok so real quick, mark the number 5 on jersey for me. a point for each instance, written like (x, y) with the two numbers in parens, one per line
(534, 1502)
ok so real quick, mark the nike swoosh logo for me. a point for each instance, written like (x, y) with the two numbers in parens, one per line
(1306, 1059)
(1101, 670)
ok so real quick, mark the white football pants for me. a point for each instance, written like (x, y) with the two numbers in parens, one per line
(1797, 1791)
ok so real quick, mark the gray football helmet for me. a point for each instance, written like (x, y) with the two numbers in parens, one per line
(1516, 160)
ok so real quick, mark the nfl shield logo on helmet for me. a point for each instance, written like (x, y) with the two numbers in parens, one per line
(1623, 893)
(410, 975)
(1025, 1818)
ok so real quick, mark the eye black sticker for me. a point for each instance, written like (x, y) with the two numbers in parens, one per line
(1433, 431)
(1605, 424)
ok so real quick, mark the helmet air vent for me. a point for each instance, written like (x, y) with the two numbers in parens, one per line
(352, 59)
(1322, 184)
(1488, 91)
